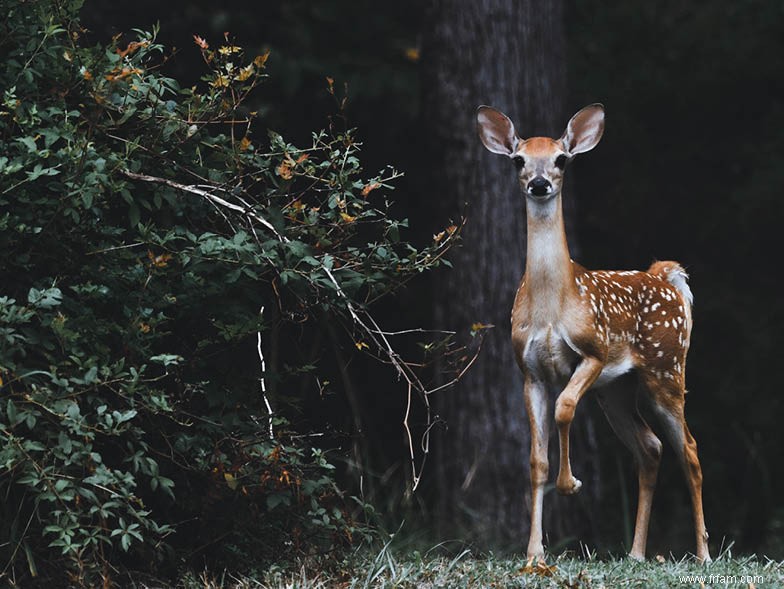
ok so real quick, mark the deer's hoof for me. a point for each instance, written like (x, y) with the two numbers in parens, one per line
(534, 558)
(568, 486)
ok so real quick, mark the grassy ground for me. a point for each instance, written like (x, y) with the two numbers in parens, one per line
(386, 569)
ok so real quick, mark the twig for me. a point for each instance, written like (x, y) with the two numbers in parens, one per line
(261, 380)
(415, 476)
(418, 330)
(206, 194)
(378, 336)
(115, 248)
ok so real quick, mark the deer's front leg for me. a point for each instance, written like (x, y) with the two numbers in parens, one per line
(538, 418)
(584, 376)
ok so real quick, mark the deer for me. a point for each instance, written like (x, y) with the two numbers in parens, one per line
(624, 334)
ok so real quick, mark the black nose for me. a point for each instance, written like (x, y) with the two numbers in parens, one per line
(539, 186)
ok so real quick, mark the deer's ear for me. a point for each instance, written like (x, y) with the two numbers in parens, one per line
(496, 130)
(584, 129)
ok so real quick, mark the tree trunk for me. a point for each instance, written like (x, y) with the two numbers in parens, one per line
(509, 55)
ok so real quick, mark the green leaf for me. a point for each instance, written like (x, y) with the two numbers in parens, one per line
(91, 376)
(29, 143)
(134, 215)
(167, 359)
(277, 499)
(10, 411)
(45, 299)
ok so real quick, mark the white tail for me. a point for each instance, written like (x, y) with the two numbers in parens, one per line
(574, 330)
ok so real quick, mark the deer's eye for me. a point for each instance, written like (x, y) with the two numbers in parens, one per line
(519, 162)
(560, 162)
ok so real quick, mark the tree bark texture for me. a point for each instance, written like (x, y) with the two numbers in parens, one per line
(510, 55)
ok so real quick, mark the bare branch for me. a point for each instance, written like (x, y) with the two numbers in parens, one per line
(210, 195)
(261, 380)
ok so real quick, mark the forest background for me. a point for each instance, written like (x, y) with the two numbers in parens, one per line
(688, 170)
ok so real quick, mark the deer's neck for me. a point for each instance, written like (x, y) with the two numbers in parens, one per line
(549, 276)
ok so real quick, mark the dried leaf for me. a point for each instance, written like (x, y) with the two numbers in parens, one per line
(284, 170)
(541, 569)
(220, 81)
(229, 49)
(361, 345)
(230, 481)
(372, 186)
(132, 47)
(200, 42)
(412, 54)
(245, 144)
(159, 261)
(347, 218)
(245, 73)
(260, 60)
(120, 74)
(295, 208)
(330, 85)
(480, 326)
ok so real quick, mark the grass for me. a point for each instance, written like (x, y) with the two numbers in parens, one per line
(414, 570)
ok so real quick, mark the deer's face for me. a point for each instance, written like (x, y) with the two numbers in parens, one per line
(540, 163)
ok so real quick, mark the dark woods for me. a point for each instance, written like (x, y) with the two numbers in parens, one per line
(687, 170)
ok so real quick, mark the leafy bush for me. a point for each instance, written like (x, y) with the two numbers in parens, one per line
(144, 229)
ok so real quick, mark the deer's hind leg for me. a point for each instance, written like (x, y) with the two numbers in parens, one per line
(619, 403)
(668, 399)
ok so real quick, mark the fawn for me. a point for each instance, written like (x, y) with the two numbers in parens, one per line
(574, 330)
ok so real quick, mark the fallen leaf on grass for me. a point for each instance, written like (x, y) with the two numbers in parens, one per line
(541, 569)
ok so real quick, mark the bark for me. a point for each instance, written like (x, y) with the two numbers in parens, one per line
(509, 55)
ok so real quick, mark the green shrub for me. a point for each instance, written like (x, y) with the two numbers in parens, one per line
(143, 227)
